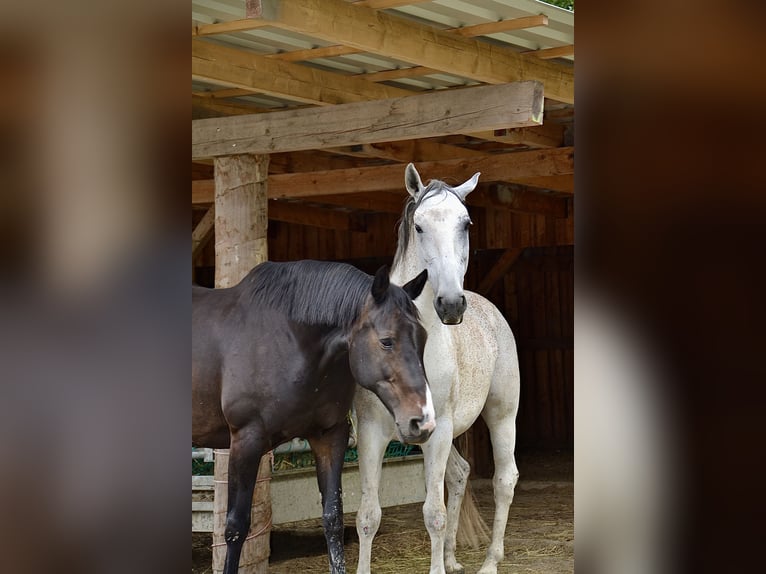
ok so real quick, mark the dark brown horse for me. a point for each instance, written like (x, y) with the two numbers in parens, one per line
(276, 357)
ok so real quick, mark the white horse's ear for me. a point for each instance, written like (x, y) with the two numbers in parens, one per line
(464, 189)
(412, 180)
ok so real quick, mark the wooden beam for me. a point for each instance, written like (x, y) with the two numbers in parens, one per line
(499, 269)
(202, 232)
(432, 114)
(516, 167)
(496, 196)
(342, 23)
(246, 70)
(550, 53)
(466, 31)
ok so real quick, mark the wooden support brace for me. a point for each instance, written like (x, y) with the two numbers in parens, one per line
(202, 232)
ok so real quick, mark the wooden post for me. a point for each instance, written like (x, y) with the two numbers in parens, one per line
(241, 222)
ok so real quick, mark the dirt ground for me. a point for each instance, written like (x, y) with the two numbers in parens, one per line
(539, 536)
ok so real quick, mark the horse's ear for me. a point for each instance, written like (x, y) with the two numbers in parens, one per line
(412, 180)
(464, 189)
(380, 284)
(415, 287)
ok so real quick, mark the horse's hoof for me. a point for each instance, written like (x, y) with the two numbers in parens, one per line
(455, 569)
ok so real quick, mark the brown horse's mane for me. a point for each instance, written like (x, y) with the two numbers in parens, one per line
(315, 292)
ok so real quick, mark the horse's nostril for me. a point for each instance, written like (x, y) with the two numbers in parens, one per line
(439, 301)
(462, 299)
(415, 424)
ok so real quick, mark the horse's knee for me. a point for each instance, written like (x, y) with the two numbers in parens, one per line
(368, 520)
(236, 530)
(435, 517)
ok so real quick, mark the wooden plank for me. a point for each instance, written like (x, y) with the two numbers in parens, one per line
(433, 114)
(499, 167)
(466, 31)
(342, 23)
(202, 232)
(499, 269)
(550, 53)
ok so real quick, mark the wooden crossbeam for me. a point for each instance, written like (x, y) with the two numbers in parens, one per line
(510, 167)
(378, 32)
(499, 269)
(432, 114)
(466, 31)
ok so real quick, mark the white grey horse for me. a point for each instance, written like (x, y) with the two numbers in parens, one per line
(472, 367)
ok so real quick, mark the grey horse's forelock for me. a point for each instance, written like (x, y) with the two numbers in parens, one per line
(406, 222)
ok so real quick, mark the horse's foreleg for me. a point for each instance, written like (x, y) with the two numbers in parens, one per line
(435, 452)
(373, 434)
(247, 447)
(502, 429)
(329, 448)
(456, 476)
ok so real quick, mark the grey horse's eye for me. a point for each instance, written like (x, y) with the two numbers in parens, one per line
(418, 228)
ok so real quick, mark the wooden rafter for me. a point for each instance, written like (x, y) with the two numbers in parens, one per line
(432, 114)
(550, 53)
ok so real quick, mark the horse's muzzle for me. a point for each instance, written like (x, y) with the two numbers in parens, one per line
(418, 430)
(450, 311)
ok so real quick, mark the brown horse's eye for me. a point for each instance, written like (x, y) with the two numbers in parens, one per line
(387, 343)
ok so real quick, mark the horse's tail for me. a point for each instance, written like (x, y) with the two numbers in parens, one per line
(472, 531)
